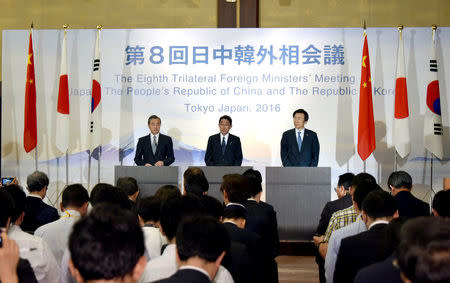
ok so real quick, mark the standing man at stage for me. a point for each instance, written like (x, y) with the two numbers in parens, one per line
(224, 149)
(300, 146)
(154, 149)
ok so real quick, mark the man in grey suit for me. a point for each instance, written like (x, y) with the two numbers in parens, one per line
(300, 146)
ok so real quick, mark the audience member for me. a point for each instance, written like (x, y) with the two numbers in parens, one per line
(441, 204)
(33, 248)
(107, 244)
(201, 243)
(103, 192)
(235, 189)
(166, 192)
(130, 187)
(212, 206)
(195, 182)
(363, 249)
(37, 213)
(400, 184)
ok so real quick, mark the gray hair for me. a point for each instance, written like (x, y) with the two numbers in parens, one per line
(36, 181)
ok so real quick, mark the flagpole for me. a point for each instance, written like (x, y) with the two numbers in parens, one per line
(431, 174)
(89, 171)
(364, 168)
(395, 161)
(65, 27)
(98, 163)
(400, 29)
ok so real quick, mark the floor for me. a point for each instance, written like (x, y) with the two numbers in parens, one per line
(297, 269)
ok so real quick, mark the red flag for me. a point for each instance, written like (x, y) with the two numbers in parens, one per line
(366, 124)
(30, 121)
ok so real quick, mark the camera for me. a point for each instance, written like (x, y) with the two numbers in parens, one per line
(7, 180)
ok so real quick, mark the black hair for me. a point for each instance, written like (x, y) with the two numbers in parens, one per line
(237, 187)
(168, 191)
(301, 111)
(19, 198)
(170, 217)
(74, 195)
(234, 212)
(212, 206)
(202, 237)
(424, 251)
(107, 243)
(153, 117)
(441, 203)
(362, 190)
(149, 208)
(255, 179)
(226, 117)
(362, 177)
(103, 192)
(36, 181)
(128, 185)
(346, 180)
(391, 238)
(196, 184)
(400, 179)
(7, 207)
(379, 204)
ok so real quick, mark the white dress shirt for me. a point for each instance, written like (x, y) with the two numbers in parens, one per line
(56, 233)
(166, 265)
(154, 240)
(224, 136)
(36, 251)
(302, 133)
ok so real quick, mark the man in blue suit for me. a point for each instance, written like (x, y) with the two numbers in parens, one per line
(224, 149)
(300, 146)
(154, 149)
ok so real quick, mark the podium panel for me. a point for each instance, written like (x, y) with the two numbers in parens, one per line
(149, 178)
(298, 195)
(214, 175)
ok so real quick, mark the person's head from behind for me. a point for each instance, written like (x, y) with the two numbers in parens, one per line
(75, 197)
(255, 179)
(225, 124)
(344, 184)
(236, 214)
(424, 251)
(7, 209)
(235, 188)
(166, 192)
(129, 186)
(378, 205)
(441, 204)
(359, 178)
(106, 193)
(212, 206)
(37, 183)
(202, 242)
(300, 117)
(392, 236)
(19, 198)
(107, 244)
(149, 210)
(154, 124)
(361, 191)
(399, 181)
(195, 182)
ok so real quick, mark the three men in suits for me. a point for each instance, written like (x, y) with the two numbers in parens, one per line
(224, 149)
(154, 149)
(300, 146)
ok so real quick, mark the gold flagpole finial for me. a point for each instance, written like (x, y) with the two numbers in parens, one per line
(32, 25)
(400, 27)
(65, 26)
(364, 24)
(434, 27)
(99, 27)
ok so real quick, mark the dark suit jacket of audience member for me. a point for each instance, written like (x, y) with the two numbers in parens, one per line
(309, 154)
(186, 276)
(25, 272)
(384, 272)
(358, 251)
(238, 262)
(164, 151)
(37, 213)
(330, 208)
(232, 155)
(410, 206)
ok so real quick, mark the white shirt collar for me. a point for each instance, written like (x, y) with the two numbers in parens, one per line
(378, 222)
(224, 136)
(195, 268)
(235, 203)
(70, 213)
(35, 196)
(302, 132)
(152, 135)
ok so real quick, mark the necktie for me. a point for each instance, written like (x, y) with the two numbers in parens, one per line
(154, 145)
(299, 141)
(224, 145)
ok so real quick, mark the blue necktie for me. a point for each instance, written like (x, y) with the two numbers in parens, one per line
(299, 141)
(224, 145)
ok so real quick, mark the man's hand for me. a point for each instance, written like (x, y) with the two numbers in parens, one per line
(323, 248)
(9, 258)
(318, 239)
(159, 163)
(148, 164)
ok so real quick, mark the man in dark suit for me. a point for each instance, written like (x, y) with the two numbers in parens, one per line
(364, 249)
(300, 146)
(400, 184)
(201, 243)
(224, 149)
(37, 213)
(154, 149)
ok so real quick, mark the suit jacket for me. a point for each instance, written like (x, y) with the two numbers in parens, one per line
(410, 206)
(238, 262)
(358, 251)
(37, 213)
(164, 151)
(186, 276)
(25, 272)
(383, 271)
(232, 155)
(330, 208)
(309, 154)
